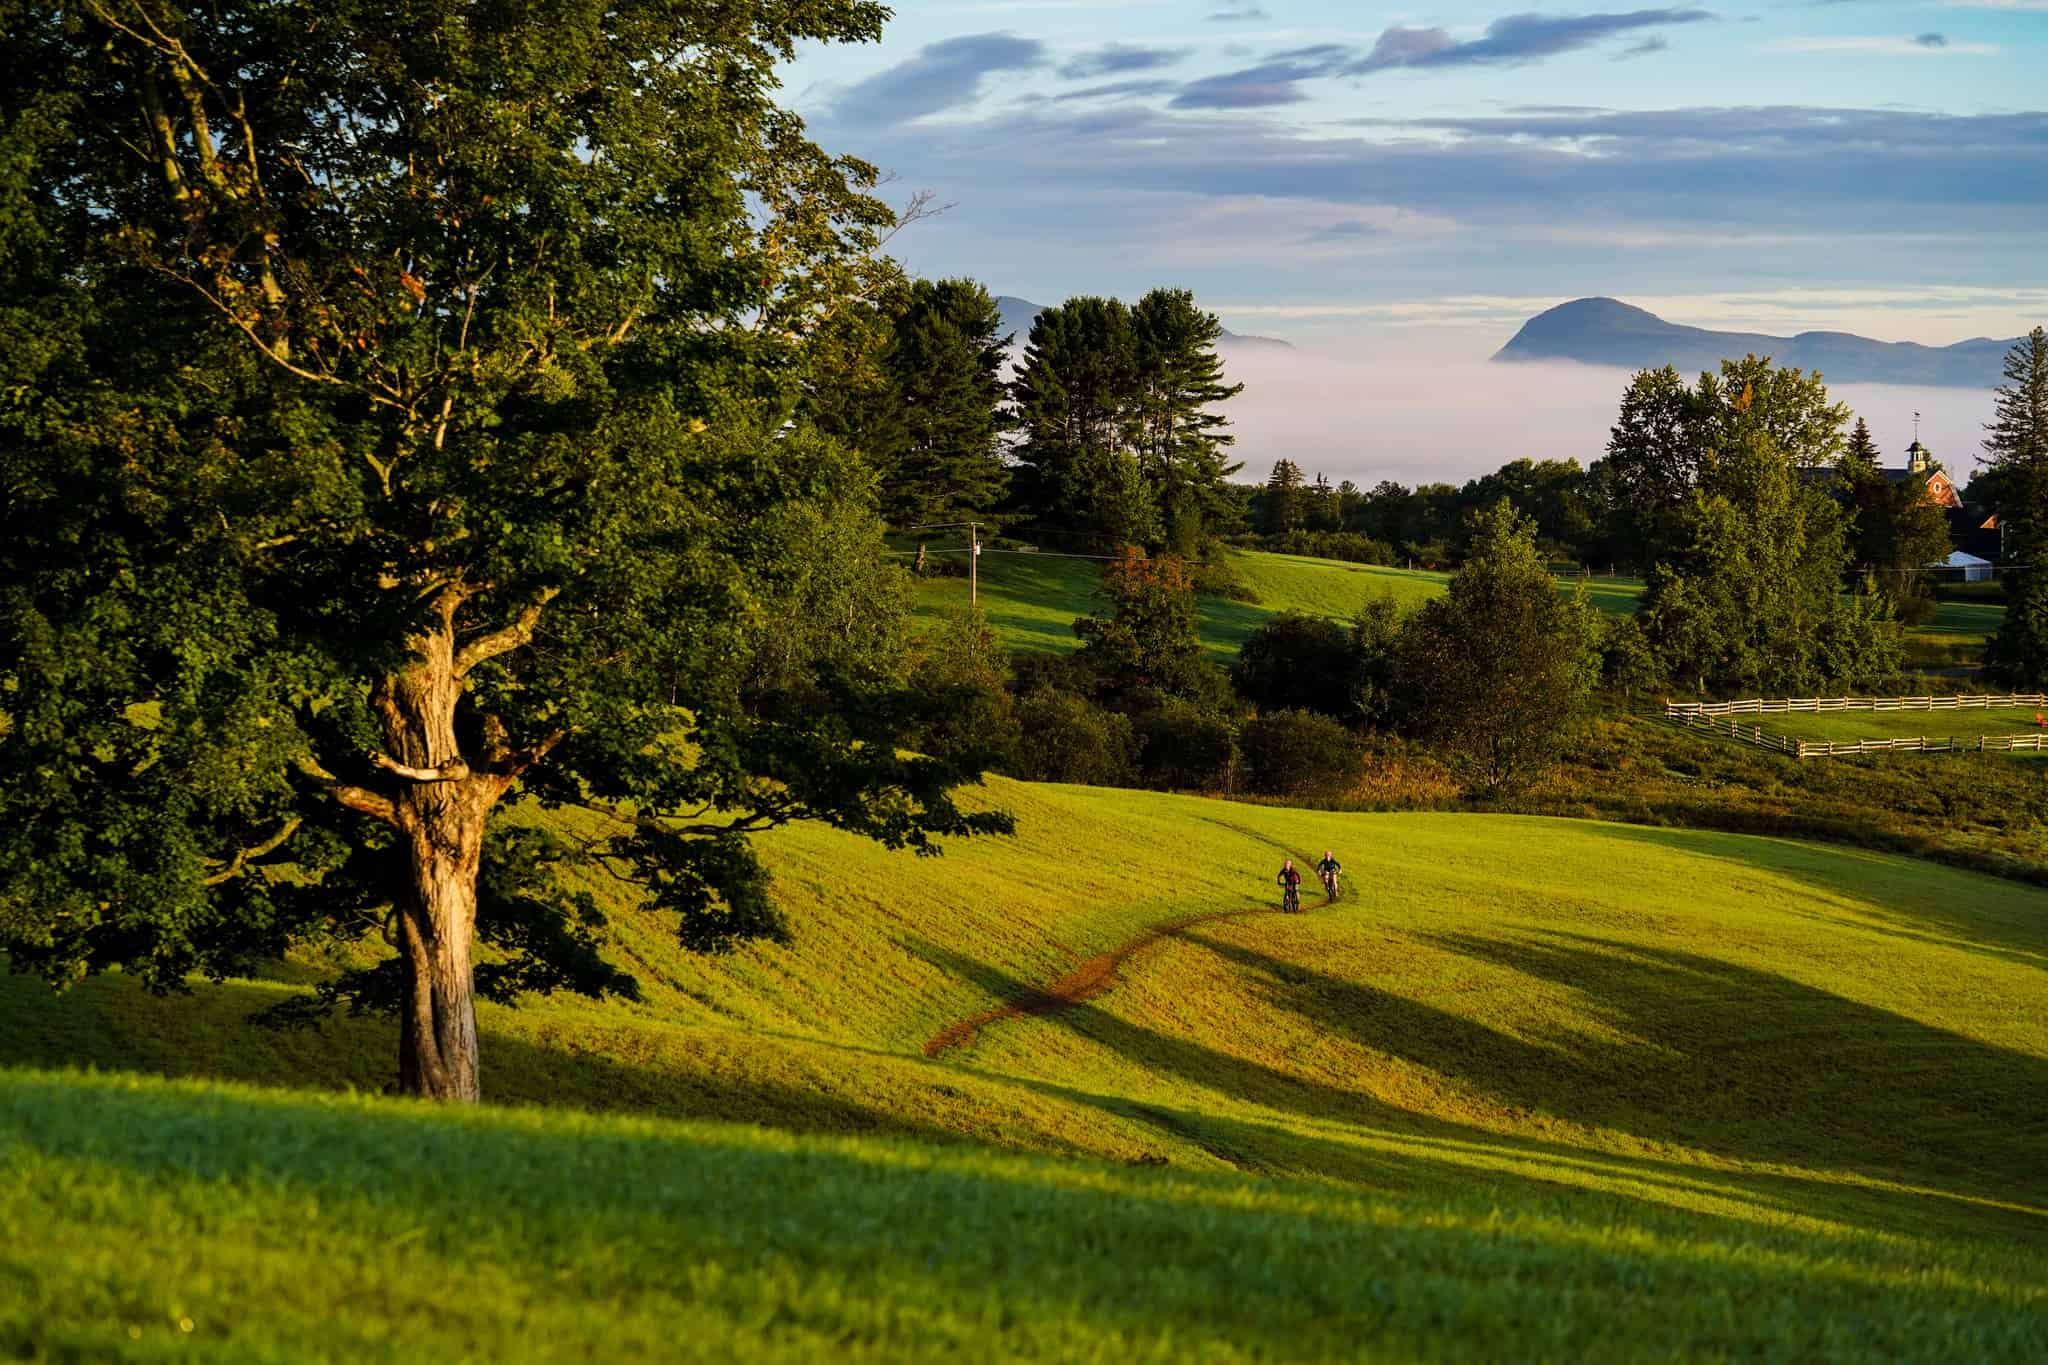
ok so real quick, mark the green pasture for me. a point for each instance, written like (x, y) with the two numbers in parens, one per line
(1538, 1089)
(1960, 724)
(1032, 600)
(1954, 636)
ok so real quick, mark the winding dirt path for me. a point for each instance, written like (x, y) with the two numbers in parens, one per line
(1097, 976)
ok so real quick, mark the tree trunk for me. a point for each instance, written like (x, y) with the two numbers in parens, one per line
(441, 819)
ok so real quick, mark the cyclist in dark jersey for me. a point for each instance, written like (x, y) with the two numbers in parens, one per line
(1290, 884)
(1329, 869)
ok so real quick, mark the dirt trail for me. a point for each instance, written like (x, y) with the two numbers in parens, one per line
(1092, 978)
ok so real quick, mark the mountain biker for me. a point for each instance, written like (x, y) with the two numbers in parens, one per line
(1290, 882)
(1329, 869)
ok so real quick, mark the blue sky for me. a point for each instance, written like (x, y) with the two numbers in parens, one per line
(1351, 175)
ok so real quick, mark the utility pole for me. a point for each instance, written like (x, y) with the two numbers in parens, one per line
(973, 562)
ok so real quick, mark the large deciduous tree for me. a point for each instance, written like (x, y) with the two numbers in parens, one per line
(2016, 439)
(397, 412)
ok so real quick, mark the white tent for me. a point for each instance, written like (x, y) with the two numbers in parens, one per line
(1966, 568)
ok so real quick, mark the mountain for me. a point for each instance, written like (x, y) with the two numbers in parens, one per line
(1609, 332)
(1018, 313)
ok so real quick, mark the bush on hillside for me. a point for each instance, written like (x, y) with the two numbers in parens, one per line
(1296, 662)
(1182, 747)
(1067, 738)
(1628, 666)
(1298, 753)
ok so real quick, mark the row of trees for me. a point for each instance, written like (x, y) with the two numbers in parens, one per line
(1108, 434)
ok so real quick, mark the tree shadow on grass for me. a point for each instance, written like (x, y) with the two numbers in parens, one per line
(1719, 1058)
(1436, 1151)
(627, 1219)
(2016, 931)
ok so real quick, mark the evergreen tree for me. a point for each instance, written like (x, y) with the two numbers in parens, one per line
(1182, 441)
(1900, 529)
(1283, 508)
(1078, 461)
(2017, 442)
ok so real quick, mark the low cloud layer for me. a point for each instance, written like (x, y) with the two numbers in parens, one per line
(1378, 417)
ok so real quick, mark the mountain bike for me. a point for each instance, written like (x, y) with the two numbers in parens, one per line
(1329, 885)
(1290, 900)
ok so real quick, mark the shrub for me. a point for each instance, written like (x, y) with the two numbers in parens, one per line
(1296, 662)
(1349, 546)
(1628, 666)
(1067, 738)
(1183, 747)
(1298, 753)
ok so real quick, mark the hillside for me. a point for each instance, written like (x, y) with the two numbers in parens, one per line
(1603, 331)
(1032, 600)
(1537, 1087)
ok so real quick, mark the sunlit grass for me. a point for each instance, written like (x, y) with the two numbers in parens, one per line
(1606, 1090)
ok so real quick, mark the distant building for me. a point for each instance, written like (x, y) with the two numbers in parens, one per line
(1920, 468)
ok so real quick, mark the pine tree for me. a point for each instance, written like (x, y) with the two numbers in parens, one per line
(1182, 442)
(1900, 530)
(1283, 509)
(2017, 443)
(946, 367)
(1078, 461)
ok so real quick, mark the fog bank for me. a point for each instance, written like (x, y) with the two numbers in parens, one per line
(1418, 420)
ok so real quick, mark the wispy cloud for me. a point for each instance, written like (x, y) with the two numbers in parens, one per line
(1118, 90)
(1917, 45)
(1239, 12)
(1516, 38)
(943, 75)
(1117, 59)
(1274, 81)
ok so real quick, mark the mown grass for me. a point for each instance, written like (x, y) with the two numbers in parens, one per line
(1032, 600)
(1535, 1089)
(1960, 724)
(243, 1225)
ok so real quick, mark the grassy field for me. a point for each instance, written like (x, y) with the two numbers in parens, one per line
(1954, 635)
(1891, 724)
(1537, 1089)
(1032, 600)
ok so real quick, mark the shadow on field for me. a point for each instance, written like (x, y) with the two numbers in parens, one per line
(110, 1024)
(2019, 934)
(631, 1221)
(1719, 1058)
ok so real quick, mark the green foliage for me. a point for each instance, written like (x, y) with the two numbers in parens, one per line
(1752, 599)
(1067, 738)
(962, 674)
(1628, 664)
(915, 384)
(1668, 439)
(1148, 639)
(1183, 746)
(1900, 529)
(1299, 754)
(1297, 662)
(402, 414)
(1496, 672)
(2017, 442)
(1120, 444)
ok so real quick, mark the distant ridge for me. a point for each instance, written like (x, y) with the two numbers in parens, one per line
(1610, 332)
(1018, 313)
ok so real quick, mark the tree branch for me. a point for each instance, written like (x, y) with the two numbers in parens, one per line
(368, 802)
(506, 638)
(446, 772)
(244, 856)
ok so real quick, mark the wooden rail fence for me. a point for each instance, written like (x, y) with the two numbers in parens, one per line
(1719, 717)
